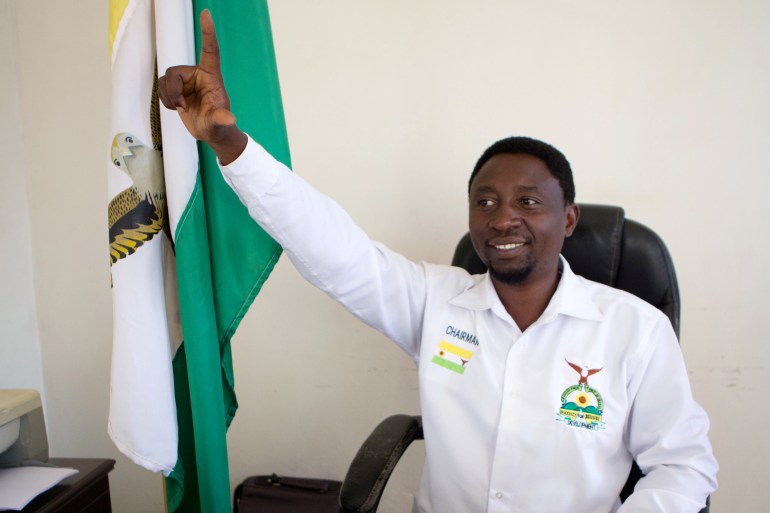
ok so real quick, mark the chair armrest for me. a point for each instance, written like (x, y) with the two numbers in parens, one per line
(371, 468)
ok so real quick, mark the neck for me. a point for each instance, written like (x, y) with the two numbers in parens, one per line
(525, 302)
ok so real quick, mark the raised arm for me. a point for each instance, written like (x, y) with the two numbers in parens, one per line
(198, 94)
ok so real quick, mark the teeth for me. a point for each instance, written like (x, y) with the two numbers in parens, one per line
(509, 246)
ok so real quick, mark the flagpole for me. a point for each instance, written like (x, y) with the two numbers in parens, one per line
(165, 499)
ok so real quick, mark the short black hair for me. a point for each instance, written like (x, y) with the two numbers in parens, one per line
(554, 160)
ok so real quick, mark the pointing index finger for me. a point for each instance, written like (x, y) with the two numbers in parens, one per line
(209, 60)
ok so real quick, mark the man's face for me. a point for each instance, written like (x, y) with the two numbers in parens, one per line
(518, 219)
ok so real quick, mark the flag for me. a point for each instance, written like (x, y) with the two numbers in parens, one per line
(146, 330)
(452, 357)
(222, 256)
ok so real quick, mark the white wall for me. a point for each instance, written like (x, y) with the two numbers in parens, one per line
(662, 107)
(20, 362)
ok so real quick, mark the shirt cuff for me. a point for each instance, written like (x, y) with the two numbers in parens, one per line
(253, 173)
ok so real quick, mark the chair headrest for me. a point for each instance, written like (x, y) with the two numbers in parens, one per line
(593, 250)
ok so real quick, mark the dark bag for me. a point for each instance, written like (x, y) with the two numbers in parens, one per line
(281, 494)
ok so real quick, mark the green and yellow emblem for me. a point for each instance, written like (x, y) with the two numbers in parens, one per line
(581, 405)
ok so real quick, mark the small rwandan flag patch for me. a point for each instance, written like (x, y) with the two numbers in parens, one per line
(452, 357)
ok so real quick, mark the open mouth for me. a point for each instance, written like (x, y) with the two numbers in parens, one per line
(506, 247)
(507, 243)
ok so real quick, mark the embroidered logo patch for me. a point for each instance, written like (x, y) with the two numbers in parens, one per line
(581, 405)
(452, 357)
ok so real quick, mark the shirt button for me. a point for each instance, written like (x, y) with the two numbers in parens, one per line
(499, 495)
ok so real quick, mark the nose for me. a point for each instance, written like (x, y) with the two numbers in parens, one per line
(505, 218)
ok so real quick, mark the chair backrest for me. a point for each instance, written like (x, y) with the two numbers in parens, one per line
(610, 249)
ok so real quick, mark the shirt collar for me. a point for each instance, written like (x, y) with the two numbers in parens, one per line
(571, 298)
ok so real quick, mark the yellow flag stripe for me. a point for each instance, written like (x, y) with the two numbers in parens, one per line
(117, 8)
(459, 351)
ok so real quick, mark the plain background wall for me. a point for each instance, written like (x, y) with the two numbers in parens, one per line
(662, 107)
(20, 362)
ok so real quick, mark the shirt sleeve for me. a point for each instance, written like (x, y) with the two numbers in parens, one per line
(667, 431)
(377, 285)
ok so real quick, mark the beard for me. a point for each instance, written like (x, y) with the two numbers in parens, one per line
(513, 276)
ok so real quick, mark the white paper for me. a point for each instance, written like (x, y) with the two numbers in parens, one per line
(19, 485)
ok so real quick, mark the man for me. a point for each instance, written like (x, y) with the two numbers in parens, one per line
(538, 387)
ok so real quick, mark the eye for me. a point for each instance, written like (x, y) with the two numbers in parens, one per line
(116, 162)
(485, 202)
(529, 202)
(129, 139)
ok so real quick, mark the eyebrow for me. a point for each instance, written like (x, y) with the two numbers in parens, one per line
(489, 188)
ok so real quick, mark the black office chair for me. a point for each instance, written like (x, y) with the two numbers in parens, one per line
(606, 248)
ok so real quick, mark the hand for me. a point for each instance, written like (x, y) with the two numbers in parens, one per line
(198, 94)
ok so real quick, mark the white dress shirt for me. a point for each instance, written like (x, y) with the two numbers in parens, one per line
(544, 421)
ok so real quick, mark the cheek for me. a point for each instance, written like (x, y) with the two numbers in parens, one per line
(556, 240)
(477, 243)
(476, 233)
(476, 223)
(553, 233)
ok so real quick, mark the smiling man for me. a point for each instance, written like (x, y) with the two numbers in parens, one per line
(508, 424)
(519, 215)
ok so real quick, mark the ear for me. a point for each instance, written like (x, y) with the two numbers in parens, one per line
(571, 217)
